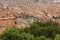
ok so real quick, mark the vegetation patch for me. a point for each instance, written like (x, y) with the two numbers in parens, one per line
(37, 31)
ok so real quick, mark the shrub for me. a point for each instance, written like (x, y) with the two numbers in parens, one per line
(57, 37)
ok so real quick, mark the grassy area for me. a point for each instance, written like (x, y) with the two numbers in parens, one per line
(29, 19)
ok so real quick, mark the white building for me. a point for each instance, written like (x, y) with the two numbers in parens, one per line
(56, 1)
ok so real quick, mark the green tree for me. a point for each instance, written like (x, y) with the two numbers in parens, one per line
(26, 36)
(48, 29)
(10, 34)
(15, 34)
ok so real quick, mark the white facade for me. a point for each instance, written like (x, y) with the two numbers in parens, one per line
(56, 1)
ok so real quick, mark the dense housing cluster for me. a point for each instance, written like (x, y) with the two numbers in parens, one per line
(21, 13)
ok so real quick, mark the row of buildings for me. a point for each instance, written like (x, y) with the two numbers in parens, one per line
(20, 2)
